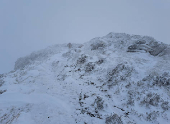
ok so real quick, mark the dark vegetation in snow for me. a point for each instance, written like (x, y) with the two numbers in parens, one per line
(98, 45)
(120, 73)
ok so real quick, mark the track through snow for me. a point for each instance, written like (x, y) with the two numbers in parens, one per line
(115, 79)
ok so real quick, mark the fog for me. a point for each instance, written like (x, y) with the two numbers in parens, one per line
(30, 25)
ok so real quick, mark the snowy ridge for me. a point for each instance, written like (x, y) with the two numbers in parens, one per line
(115, 79)
(41, 55)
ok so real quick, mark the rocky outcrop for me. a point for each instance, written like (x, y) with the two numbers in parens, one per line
(153, 47)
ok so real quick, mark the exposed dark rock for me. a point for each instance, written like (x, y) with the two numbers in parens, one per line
(165, 106)
(163, 80)
(99, 102)
(1, 82)
(113, 119)
(151, 99)
(153, 47)
(138, 47)
(133, 47)
(82, 59)
(2, 91)
(152, 116)
(89, 67)
(1, 75)
(69, 45)
(158, 49)
(141, 42)
(100, 61)
(130, 98)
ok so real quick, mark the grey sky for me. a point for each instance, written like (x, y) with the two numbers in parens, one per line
(30, 25)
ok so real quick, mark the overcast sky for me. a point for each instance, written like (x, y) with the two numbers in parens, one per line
(30, 25)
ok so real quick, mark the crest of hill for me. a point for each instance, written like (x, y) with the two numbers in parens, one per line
(41, 55)
(120, 42)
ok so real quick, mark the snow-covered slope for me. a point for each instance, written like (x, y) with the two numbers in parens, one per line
(115, 79)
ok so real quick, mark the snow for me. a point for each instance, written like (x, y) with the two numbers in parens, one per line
(52, 87)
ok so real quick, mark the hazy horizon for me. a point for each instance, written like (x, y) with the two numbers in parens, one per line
(27, 26)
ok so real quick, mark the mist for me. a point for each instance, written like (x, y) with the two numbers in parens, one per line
(29, 25)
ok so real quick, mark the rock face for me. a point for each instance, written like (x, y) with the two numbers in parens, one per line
(153, 47)
(158, 49)
(115, 79)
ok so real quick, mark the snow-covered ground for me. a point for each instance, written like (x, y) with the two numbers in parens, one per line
(104, 81)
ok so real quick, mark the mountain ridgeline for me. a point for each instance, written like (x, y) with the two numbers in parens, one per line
(121, 41)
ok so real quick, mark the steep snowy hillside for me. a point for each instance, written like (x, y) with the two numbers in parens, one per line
(115, 79)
